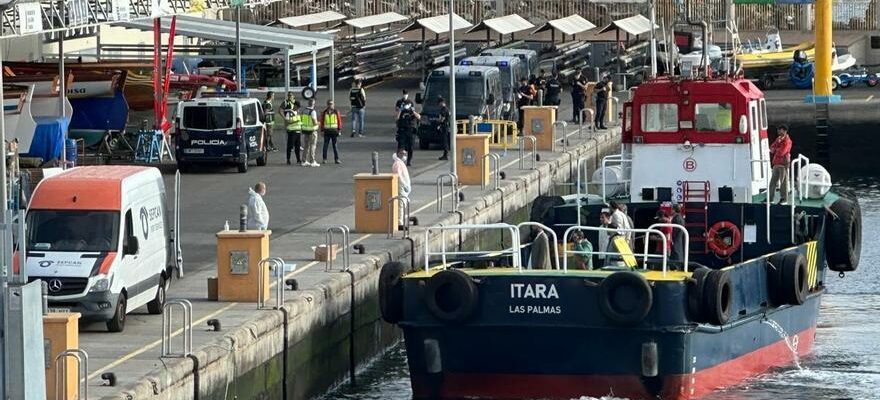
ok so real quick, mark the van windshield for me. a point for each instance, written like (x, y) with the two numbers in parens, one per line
(506, 82)
(207, 117)
(469, 93)
(84, 231)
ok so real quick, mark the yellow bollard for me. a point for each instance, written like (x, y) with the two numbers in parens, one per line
(371, 206)
(238, 264)
(60, 333)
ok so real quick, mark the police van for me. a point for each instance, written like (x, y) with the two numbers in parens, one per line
(529, 58)
(509, 66)
(224, 128)
(100, 238)
(477, 93)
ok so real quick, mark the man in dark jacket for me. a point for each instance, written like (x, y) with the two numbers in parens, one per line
(578, 88)
(443, 127)
(524, 94)
(407, 123)
(602, 92)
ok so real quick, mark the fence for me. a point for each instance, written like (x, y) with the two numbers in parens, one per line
(848, 15)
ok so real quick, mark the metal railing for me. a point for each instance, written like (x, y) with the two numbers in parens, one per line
(562, 125)
(619, 160)
(278, 264)
(502, 133)
(522, 150)
(167, 315)
(583, 182)
(566, 252)
(403, 202)
(551, 233)
(513, 250)
(687, 241)
(765, 166)
(346, 247)
(453, 183)
(494, 170)
(178, 250)
(615, 109)
(803, 186)
(589, 122)
(82, 373)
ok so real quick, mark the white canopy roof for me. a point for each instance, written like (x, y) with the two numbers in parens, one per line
(312, 19)
(570, 25)
(376, 20)
(635, 25)
(294, 41)
(439, 24)
(504, 25)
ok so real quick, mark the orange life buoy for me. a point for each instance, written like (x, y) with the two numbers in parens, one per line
(723, 245)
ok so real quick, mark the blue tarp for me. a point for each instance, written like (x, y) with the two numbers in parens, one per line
(48, 137)
(101, 113)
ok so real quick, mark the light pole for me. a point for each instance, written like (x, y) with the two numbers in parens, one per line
(452, 121)
(653, 14)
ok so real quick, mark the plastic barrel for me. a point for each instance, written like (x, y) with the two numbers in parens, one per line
(70, 155)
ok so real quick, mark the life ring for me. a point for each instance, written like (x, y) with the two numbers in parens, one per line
(625, 297)
(718, 297)
(452, 296)
(391, 292)
(843, 235)
(724, 245)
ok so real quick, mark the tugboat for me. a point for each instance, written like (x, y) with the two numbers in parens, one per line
(741, 295)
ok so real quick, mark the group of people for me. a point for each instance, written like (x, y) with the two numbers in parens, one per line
(302, 126)
(546, 85)
(579, 91)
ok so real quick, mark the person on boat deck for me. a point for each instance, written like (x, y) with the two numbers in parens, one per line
(621, 220)
(664, 216)
(678, 250)
(612, 257)
(583, 257)
(780, 152)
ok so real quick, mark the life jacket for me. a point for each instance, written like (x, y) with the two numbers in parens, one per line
(294, 122)
(268, 112)
(407, 121)
(330, 120)
(553, 88)
(307, 125)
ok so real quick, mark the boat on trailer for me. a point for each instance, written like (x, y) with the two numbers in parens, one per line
(742, 298)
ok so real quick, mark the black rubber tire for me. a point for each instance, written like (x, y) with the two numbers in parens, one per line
(155, 306)
(117, 322)
(263, 159)
(834, 84)
(793, 279)
(696, 285)
(391, 292)
(452, 296)
(843, 236)
(718, 297)
(774, 279)
(625, 297)
(243, 165)
(542, 210)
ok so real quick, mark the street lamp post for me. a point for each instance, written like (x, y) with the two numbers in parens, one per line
(452, 122)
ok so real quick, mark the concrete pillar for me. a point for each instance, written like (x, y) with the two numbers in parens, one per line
(822, 84)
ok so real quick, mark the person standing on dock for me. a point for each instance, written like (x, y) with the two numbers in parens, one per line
(780, 152)
(331, 126)
(404, 185)
(358, 98)
(524, 95)
(258, 213)
(407, 123)
(309, 128)
(294, 131)
(443, 126)
(403, 98)
(578, 88)
(603, 89)
(552, 92)
(269, 119)
(288, 103)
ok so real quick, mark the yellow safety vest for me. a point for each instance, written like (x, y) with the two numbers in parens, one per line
(330, 121)
(307, 125)
(294, 123)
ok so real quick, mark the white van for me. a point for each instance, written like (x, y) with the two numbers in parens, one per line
(99, 236)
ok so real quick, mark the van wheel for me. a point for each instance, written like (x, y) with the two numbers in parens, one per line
(155, 306)
(263, 159)
(243, 165)
(117, 323)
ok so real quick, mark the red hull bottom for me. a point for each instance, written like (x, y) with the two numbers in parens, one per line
(675, 387)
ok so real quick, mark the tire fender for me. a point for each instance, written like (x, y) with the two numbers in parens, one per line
(625, 297)
(452, 296)
(391, 292)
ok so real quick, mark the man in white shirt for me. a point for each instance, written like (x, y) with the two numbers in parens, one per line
(258, 213)
(403, 182)
(619, 218)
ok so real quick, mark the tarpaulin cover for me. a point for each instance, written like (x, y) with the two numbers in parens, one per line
(103, 113)
(48, 137)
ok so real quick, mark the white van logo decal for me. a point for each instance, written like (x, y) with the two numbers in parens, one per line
(55, 285)
(145, 222)
(45, 263)
(212, 142)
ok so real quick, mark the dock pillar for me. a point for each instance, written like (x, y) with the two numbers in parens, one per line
(60, 333)
(824, 43)
(371, 205)
(238, 265)
(538, 122)
(472, 167)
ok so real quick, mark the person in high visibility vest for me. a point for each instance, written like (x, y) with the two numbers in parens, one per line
(269, 119)
(331, 126)
(309, 127)
(294, 131)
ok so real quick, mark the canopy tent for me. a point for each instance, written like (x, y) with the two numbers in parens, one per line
(375, 20)
(325, 17)
(635, 25)
(570, 25)
(290, 41)
(506, 25)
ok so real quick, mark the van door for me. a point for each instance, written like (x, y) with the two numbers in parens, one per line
(206, 131)
(253, 128)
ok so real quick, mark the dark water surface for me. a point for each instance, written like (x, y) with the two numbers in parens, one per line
(845, 363)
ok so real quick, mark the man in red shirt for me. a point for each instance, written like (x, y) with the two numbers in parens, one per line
(780, 152)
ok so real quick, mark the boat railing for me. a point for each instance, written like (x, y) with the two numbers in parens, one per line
(550, 233)
(803, 186)
(687, 240)
(765, 166)
(513, 250)
(645, 256)
(583, 181)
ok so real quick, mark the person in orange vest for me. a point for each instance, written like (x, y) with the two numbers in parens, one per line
(780, 152)
(331, 126)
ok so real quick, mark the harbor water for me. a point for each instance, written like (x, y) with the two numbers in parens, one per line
(844, 365)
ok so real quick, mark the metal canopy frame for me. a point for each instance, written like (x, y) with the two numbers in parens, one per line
(439, 24)
(508, 24)
(570, 25)
(372, 21)
(300, 21)
(635, 25)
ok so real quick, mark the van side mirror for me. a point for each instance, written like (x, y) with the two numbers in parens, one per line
(419, 99)
(132, 247)
(490, 99)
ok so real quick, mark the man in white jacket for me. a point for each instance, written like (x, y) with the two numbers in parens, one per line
(404, 186)
(258, 214)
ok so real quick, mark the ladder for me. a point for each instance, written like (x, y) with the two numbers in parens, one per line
(823, 135)
(695, 207)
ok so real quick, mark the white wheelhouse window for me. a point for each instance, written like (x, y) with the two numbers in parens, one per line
(713, 117)
(660, 117)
